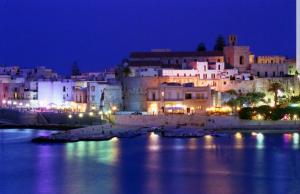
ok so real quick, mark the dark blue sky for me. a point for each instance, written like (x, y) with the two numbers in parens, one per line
(100, 33)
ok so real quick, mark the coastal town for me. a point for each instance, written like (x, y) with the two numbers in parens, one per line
(209, 89)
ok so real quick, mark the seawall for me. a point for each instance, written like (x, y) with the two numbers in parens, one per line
(205, 122)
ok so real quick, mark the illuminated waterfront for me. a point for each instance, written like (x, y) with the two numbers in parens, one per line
(253, 163)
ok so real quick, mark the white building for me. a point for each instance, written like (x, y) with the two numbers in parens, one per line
(55, 93)
(205, 71)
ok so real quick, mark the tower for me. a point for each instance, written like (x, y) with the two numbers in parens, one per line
(298, 36)
(237, 56)
(232, 40)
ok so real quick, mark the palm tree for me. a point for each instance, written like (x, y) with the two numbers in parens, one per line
(255, 97)
(232, 93)
(275, 87)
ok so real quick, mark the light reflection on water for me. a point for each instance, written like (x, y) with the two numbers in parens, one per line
(260, 141)
(238, 139)
(241, 163)
(296, 140)
(106, 151)
(153, 142)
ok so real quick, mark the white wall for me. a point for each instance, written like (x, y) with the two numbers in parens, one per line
(52, 92)
(179, 72)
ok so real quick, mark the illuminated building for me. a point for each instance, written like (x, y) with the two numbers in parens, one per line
(177, 98)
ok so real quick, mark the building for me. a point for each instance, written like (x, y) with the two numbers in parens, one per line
(169, 59)
(273, 69)
(176, 98)
(79, 99)
(104, 96)
(238, 57)
(275, 59)
(55, 94)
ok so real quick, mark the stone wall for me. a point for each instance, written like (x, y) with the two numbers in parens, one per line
(207, 122)
(150, 120)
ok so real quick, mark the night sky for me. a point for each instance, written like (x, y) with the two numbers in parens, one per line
(99, 33)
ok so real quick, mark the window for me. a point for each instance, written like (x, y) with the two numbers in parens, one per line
(188, 96)
(204, 76)
(93, 88)
(178, 95)
(266, 74)
(258, 74)
(153, 96)
(274, 73)
(242, 60)
(213, 76)
(64, 88)
(219, 67)
(93, 98)
(281, 73)
(204, 67)
(224, 83)
(200, 96)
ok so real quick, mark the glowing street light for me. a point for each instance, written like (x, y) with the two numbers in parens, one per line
(114, 108)
(238, 135)
(91, 114)
(70, 116)
(80, 115)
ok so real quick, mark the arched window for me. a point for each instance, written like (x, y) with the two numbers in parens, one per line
(241, 60)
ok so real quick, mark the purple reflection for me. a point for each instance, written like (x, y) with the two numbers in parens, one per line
(45, 172)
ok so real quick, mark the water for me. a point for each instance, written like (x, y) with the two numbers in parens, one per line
(244, 164)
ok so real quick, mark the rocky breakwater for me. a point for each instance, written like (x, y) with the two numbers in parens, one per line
(94, 133)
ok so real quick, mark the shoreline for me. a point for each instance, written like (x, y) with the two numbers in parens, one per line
(107, 132)
(44, 127)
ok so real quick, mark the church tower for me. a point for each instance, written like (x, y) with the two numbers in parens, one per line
(232, 40)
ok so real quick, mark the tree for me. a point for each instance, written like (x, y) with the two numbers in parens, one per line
(232, 93)
(201, 47)
(220, 43)
(126, 71)
(75, 69)
(255, 97)
(275, 87)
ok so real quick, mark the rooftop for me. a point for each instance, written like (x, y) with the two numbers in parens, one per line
(175, 54)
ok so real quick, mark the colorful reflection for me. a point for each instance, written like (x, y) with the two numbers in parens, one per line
(287, 138)
(105, 151)
(108, 151)
(238, 141)
(260, 141)
(179, 144)
(208, 142)
(153, 142)
(296, 140)
(192, 144)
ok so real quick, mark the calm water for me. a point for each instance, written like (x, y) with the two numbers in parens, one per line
(249, 164)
